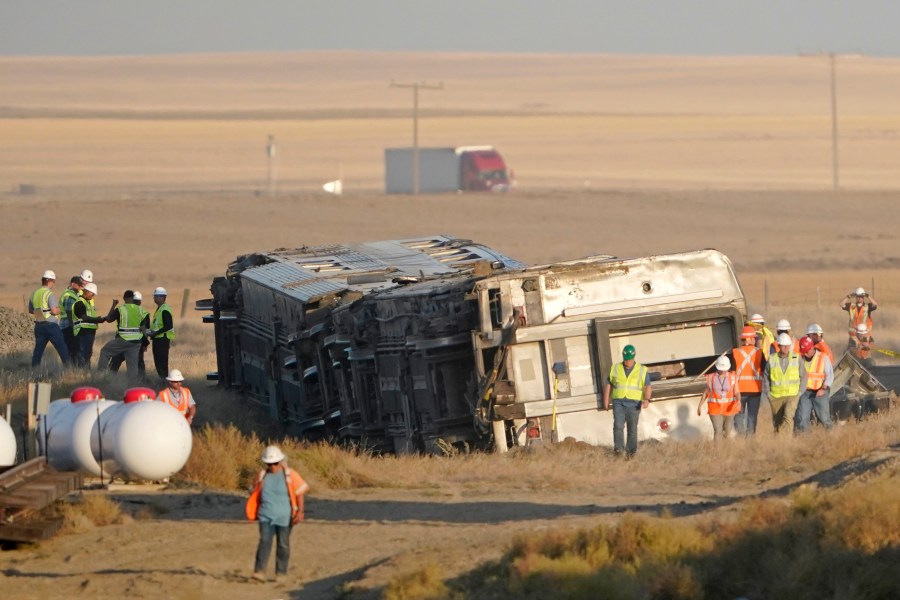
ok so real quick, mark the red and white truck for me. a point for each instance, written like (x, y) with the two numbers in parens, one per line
(460, 169)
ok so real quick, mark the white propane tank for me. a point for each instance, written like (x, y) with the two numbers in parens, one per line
(68, 428)
(143, 439)
(7, 444)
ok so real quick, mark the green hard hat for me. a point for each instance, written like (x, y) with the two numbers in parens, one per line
(628, 352)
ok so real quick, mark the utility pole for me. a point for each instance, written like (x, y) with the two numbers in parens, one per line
(416, 86)
(270, 153)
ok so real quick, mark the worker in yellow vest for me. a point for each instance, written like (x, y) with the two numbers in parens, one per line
(629, 388)
(783, 379)
(45, 309)
(162, 331)
(819, 379)
(131, 325)
(84, 324)
(765, 337)
(178, 396)
(66, 301)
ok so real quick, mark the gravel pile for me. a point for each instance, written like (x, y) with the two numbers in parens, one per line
(16, 331)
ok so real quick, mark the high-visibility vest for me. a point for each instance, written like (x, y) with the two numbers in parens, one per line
(815, 371)
(862, 345)
(787, 382)
(40, 301)
(182, 405)
(129, 323)
(826, 350)
(78, 324)
(720, 399)
(767, 338)
(859, 315)
(158, 322)
(294, 484)
(773, 349)
(66, 302)
(748, 367)
(629, 387)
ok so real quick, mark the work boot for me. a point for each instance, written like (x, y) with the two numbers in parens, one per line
(259, 576)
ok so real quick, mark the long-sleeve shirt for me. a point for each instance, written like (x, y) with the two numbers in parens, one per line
(167, 323)
(784, 365)
(80, 312)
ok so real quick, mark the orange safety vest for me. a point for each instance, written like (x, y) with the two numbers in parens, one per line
(294, 484)
(748, 367)
(826, 350)
(857, 347)
(181, 406)
(815, 371)
(858, 316)
(724, 402)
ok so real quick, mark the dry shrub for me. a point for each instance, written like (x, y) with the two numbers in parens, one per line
(87, 511)
(865, 515)
(424, 584)
(222, 457)
(336, 468)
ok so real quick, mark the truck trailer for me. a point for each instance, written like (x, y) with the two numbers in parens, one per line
(460, 169)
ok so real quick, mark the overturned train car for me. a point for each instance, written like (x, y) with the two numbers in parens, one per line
(414, 344)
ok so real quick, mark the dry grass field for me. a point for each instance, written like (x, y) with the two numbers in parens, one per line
(152, 171)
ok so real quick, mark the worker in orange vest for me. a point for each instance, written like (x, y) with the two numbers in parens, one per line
(722, 397)
(276, 501)
(819, 379)
(817, 335)
(749, 363)
(861, 345)
(860, 306)
(178, 396)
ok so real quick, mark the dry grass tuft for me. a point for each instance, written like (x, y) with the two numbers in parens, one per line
(87, 511)
(423, 584)
(222, 457)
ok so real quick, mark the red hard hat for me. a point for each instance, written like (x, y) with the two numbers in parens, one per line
(748, 332)
(806, 344)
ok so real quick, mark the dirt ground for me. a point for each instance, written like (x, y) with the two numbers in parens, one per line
(150, 171)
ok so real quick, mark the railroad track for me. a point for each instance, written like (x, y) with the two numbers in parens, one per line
(25, 491)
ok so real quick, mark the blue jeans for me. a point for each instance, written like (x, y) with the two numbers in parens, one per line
(745, 421)
(626, 412)
(282, 552)
(48, 332)
(808, 403)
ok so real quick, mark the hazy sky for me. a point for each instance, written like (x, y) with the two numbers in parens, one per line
(103, 27)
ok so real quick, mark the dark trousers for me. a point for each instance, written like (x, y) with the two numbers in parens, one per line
(118, 359)
(71, 344)
(161, 356)
(282, 551)
(44, 333)
(85, 339)
(626, 412)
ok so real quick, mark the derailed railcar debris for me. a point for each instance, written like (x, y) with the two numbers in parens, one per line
(860, 390)
(415, 344)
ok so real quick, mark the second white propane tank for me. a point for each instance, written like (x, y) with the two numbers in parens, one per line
(67, 430)
(144, 440)
(7, 444)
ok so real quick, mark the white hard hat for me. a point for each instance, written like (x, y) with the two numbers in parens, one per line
(722, 363)
(783, 325)
(175, 375)
(784, 340)
(91, 287)
(272, 455)
(757, 318)
(814, 328)
(860, 292)
(88, 276)
(48, 274)
(861, 328)
(138, 295)
(160, 291)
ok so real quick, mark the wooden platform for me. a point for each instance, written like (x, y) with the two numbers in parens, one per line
(25, 491)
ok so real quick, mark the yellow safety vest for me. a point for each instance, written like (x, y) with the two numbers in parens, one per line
(158, 322)
(129, 323)
(787, 382)
(89, 310)
(629, 387)
(40, 301)
(66, 315)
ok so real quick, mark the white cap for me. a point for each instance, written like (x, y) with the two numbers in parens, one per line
(784, 340)
(783, 325)
(160, 291)
(87, 275)
(138, 295)
(48, 274)
(722, 363)
(814, 328)
(757, 318)
(860, 292)
(272, 455)
(175, 375)
(91, 287)
(861, 328)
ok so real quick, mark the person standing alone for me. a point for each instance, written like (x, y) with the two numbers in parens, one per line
(162, 331)
(276, 501)
(629, 388)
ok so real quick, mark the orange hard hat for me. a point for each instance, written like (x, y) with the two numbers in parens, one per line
(748, 332)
